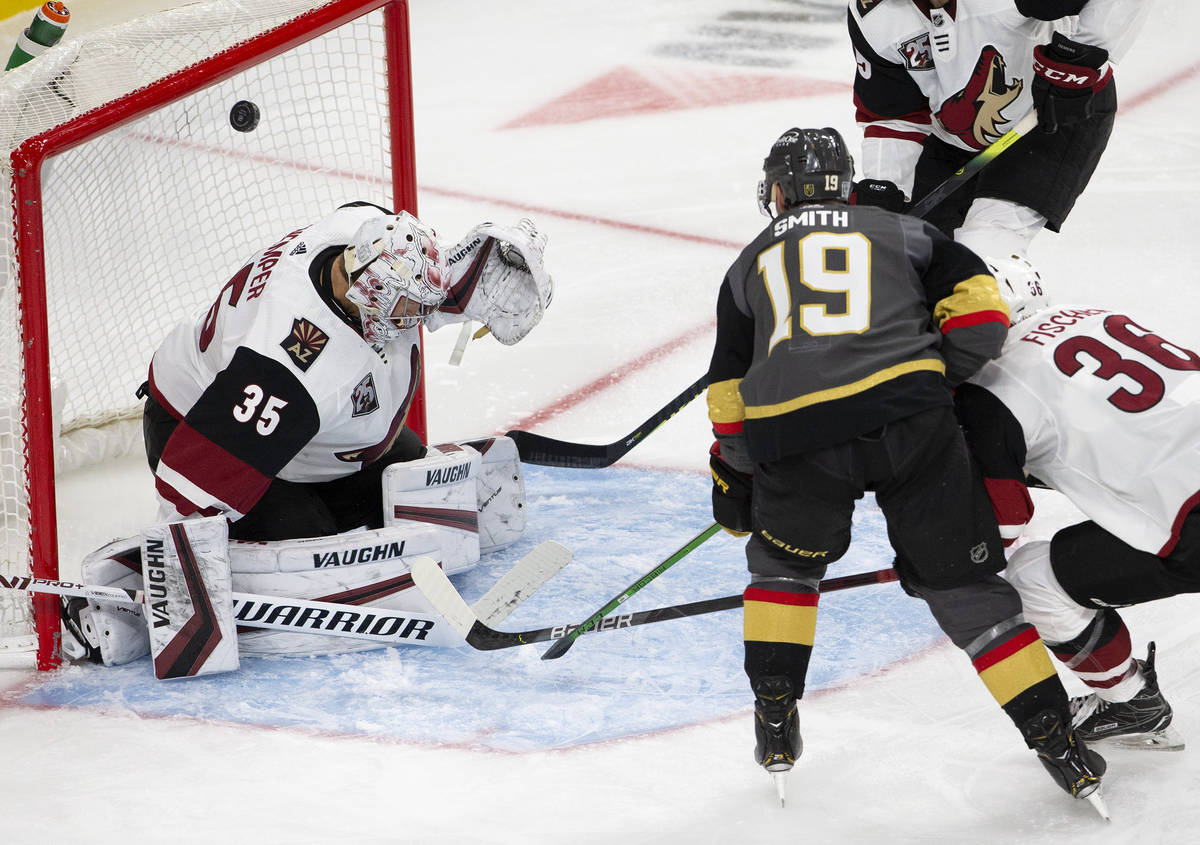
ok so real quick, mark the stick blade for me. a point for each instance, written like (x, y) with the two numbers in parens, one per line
(521, 581)
(546, 451)
(435, 586)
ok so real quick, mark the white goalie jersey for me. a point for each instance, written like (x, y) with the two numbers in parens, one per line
(274, 380)
(1110, 413)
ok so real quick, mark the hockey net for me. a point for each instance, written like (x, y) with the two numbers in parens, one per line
(134, 198)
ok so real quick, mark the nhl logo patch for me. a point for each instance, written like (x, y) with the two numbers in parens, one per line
(979, 553)
(304, 344)
(364, 398)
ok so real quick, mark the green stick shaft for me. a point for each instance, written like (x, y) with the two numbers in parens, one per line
(560, 647)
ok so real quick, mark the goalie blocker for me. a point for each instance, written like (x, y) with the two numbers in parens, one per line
(458, 501)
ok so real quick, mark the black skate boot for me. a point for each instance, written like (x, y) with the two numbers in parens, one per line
(777, 743)
(1141, 722)
(1068, 760)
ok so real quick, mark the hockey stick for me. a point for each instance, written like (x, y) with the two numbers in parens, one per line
(479, 635)
(546, 451)
(559, 648)
(376, 624)
(968, 170)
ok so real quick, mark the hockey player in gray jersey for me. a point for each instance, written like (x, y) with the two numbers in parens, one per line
(1099, 407)
(840, 331)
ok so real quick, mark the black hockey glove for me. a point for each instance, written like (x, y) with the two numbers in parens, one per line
(878, 192)
(731, 495)
(1066, 75)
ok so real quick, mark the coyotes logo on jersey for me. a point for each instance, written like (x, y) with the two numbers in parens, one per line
(976, 112)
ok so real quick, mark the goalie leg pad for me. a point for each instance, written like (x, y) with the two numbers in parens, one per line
(189, 598)
(113, 633)
(438, 490)
(356, 567)
(499, 493)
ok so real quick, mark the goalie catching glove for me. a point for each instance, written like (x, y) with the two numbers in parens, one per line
(497, 277)
(731, 494)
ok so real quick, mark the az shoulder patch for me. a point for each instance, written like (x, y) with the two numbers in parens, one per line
(304, 344)
(865, 6)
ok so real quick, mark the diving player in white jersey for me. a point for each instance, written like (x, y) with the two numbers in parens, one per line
(940, 80)
(1097, 406)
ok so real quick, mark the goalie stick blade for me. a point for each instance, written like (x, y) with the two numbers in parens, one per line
(521, 581)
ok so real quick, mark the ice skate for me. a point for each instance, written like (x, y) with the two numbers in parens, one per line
(1073, 766)
(776, 729)
(1143, 722)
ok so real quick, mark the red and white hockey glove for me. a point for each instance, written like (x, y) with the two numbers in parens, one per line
(1067, 75)
(497, 276)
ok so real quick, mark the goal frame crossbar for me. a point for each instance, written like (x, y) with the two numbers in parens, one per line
(28, 159)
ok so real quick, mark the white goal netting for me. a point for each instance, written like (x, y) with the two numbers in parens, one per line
(149, 207)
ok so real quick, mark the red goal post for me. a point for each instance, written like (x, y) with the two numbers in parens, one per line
(133, 196)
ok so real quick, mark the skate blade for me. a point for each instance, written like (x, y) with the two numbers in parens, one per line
(780, 779)
(1166, 739)
(1097, 801)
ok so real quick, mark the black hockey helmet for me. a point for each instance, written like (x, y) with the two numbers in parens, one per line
(810, 165)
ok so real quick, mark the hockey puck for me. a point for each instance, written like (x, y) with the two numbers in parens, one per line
(244, 116)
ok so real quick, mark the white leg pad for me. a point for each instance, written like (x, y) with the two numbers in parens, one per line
(357, 567)
(117, 630)
(438, 490)
(500, 493)
(1047, 606)
(189, 598)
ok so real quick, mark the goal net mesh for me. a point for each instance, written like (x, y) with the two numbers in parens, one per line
(146, 218)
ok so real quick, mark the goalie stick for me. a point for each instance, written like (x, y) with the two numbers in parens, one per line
(931, 200)
(546, 451)
(375, 624)
(479, 635)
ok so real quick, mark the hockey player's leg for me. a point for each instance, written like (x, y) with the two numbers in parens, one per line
(947, 543)
(984, 620)
(1125, 705)
(801, 516)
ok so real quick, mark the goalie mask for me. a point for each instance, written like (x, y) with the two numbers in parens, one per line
(1020, 286)
(809, 165)
(397, 273)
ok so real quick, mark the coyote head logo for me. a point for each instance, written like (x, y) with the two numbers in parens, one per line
(975, 113)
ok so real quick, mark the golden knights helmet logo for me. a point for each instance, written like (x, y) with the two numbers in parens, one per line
(976, 112)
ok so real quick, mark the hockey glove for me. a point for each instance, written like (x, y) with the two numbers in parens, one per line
(731, 495)
(1067, 74)
(497, 277)
(878, 192)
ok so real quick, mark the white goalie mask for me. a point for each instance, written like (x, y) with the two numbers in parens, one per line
(397, 274)
(1020, 286)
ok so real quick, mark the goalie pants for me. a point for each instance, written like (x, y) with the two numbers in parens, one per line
(1045, 173)
(292, 510)
(946, 541)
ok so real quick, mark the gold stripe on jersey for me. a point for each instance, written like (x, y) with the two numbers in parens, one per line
(725, 402)
(971, 296)
(754, 412)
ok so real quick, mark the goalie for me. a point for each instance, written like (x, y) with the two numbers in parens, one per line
(281, 412)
